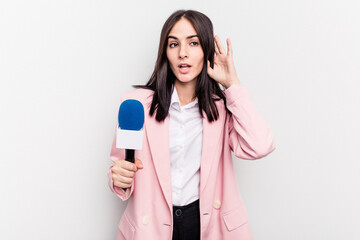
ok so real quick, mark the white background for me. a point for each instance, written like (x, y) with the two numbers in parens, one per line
(64, 65)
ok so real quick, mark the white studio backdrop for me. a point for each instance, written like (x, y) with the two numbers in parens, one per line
(64, 65)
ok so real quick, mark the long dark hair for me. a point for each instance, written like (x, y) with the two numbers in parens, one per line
(162, 79)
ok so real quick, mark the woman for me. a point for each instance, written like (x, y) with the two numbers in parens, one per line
(182, 184)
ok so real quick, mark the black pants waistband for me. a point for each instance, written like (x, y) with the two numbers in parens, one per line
(186, 222)
(186, 210)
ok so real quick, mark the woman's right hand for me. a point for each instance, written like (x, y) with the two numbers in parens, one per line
(123, 172)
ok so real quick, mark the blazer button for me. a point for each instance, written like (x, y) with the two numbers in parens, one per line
(145, 220)
(217, 204)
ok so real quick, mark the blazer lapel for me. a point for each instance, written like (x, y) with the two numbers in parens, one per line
(158, 138)
(211, 140)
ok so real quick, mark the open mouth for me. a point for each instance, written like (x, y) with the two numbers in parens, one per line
(184, 68)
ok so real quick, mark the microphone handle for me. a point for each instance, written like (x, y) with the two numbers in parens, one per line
(129, 156)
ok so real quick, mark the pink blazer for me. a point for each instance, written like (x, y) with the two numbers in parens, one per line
(149, 215)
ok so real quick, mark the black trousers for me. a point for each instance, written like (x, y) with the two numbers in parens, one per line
(186, 222)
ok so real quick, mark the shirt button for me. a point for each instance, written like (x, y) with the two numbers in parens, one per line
(217, 204)
(145, 220)
(178, 212)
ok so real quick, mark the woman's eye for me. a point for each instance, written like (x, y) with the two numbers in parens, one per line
(172, 45)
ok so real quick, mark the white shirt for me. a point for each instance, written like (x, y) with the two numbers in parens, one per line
(185, 139)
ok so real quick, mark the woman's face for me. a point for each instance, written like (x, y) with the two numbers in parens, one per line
(184, 52)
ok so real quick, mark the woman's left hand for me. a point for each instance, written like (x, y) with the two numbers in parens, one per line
(224, 70)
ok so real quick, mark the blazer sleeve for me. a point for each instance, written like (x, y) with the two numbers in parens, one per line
(250, 137)
(116, 154)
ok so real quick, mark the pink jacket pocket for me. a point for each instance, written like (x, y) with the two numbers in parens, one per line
(125, 227)
(235, 218)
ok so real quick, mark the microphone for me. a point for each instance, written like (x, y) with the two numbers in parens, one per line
(129, 131)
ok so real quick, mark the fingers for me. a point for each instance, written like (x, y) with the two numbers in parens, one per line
(219, 49)
(229, 47)
(139, 164)
(123, 172)
(126, 165)
(209, 69)
(122, 182)
(126, 173)
(121, 177)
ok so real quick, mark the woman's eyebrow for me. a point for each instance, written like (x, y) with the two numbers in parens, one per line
(191, 36)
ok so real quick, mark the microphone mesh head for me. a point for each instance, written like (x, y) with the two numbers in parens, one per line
(131, 115)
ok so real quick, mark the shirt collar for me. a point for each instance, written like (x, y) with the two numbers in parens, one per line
(175, 102)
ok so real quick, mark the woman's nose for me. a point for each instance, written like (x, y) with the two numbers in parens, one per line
(183, 52)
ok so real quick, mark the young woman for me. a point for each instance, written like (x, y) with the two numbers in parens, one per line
(182, 184)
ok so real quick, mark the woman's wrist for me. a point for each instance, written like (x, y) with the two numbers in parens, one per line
(231, 82)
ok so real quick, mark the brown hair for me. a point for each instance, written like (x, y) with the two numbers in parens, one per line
(162, 79)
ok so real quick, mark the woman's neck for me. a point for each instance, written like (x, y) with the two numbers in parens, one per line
(185, 91)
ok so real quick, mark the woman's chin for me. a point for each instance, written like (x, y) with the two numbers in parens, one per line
(185, 80)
